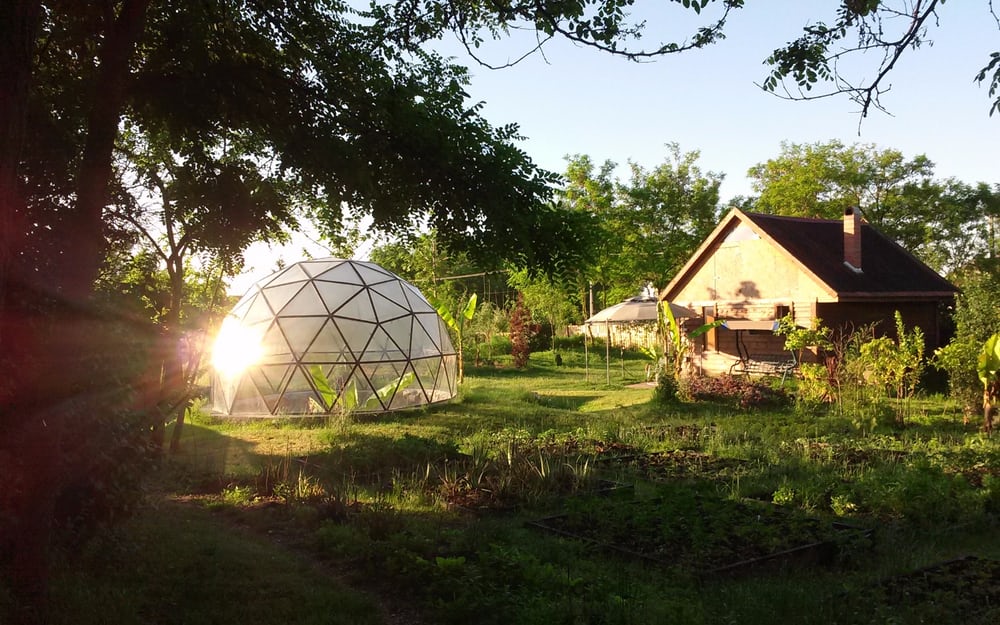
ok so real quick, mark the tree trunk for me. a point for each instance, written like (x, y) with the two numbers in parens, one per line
(33, 419)
(19, 23)
(174, 391)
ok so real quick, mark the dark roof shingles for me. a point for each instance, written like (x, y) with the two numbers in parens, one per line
(819, 245)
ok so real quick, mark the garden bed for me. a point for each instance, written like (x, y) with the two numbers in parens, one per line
(683, 463)
(705, 535)
(964, 590)
(481, 501)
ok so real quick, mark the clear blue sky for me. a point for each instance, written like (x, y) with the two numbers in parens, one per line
(574, 100)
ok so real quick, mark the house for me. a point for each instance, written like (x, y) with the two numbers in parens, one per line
(754, 269)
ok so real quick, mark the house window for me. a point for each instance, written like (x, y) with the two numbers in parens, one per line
(781, 311)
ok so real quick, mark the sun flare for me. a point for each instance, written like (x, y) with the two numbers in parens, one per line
(236, 348)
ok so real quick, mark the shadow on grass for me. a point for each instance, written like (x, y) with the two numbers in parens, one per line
(208, 458)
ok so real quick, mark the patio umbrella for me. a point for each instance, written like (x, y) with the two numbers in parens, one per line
(638, 310)
(633, 310)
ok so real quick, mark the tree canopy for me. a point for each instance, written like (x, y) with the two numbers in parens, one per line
(646, 226)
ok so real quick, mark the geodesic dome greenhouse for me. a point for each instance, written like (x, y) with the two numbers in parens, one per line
(328, 336)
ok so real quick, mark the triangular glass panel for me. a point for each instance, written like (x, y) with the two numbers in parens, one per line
(257, 311)
(299, 396)
(356, 334)
(292, 273)
(385, 379)
(306, 302)
(358, 307)
(418, 303)
(300, 332)
(222, 394)
(446, 384)
(343, 272)
(401, 332)
(392, 291)
(240, 309)
(386, 309)
(247, 400)
(382, 347)
(409, 393)
(336, 379)
(335, 294)
(427, 370)
(368, 399)
(430, 323)
(372, 273)
(295, 273)
(421, 343)
(329, 346)
(317, 267)
(269, 380)
(274, 344)
(278, 296)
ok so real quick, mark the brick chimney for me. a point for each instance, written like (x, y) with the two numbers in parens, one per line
(852, 239)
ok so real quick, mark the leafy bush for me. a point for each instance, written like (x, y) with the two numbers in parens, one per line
(499, 345)
(667, 387)
(520, 333)
(977, 316)
(569, 342)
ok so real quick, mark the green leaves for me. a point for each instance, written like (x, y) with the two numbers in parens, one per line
(456, 325)
(347, 399)
(988, 362)
(992, 66)
(646, 227)
(470, 307)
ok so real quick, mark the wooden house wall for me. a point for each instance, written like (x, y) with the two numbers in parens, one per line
(851, 316)
(745, 277)
(745, 273)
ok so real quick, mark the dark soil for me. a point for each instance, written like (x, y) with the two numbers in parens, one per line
(965, 590)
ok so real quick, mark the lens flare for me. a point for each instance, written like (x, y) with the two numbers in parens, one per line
(236, 348)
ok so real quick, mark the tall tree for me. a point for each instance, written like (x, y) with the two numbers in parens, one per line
(646, 227)
(548, 300)
(945, 222)
(665, 214)
(896, 194)
(206, 201)
(379, 127)
(589, 191)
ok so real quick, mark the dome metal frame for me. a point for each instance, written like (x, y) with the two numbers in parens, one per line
(336, 336)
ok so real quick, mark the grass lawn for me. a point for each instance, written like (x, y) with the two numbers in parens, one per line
(432, 516)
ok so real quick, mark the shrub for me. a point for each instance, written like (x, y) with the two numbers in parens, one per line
(667, 388)
(499, 345)
(569, 342)
(520, 333)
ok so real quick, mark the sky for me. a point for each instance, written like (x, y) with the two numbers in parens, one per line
(572, 100)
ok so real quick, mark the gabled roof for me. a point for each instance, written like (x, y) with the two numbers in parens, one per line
(817, 247)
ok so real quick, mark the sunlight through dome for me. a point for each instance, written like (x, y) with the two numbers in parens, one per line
(330, 336)
(236, 347)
